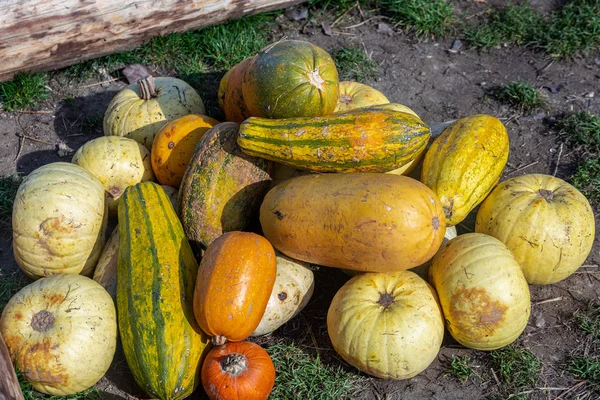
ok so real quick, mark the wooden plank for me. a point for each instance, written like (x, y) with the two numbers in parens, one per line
(41, 35)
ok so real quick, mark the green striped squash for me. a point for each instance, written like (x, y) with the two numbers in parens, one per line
(156, 274)
(360, 140)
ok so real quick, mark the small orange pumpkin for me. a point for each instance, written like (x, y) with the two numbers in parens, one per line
(174, 145)
(238, 371)
(234, 283)
(234, 105)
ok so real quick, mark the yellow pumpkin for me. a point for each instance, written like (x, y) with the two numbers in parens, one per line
(141, 109)
(546, 223)
(58, 221)
(482, 290)
(117, 162)
(357, 95)
(294, 285)
(61, 332)
(388, 325)
(395, 107)
(464, 163)
(174, 145)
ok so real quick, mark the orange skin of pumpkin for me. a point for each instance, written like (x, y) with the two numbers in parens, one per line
(254, 382)
(234, 106)
(174, 145)
(234, 283)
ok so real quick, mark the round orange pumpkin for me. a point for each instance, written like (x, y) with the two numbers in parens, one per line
(357, 95)
(290, 78)
(234, 283)
(482, 290)
(234, 105)
(238, 371)
(223, 89)
(174, 145)
(546, 223)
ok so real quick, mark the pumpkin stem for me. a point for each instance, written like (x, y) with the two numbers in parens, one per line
(218, 340)
(147, 88)
(385, 300)
(234, 364)
(345, 98)
(546, 194)
(315, 79)
(42, 321)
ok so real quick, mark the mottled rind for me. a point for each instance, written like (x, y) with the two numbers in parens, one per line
(156, 274)
(357, 95)
(388, 325)
(483, 293)
(291, 78)
(61, 333)
(131, 116)
(58, 221)
(359, 221)
(546, 223)
(361, 140)
(465, 162)
(222, 188)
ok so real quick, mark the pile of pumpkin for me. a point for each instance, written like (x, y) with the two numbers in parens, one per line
(324, 165)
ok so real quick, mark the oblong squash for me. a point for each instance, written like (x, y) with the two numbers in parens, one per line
(358, 221)
(357, 95)
(222, 188)
(156, 271)
(360, 140)
(235, 279)
(292, 291)
(465, 162)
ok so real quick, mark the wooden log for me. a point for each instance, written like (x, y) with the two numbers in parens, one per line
(41, 35)
(9, 385)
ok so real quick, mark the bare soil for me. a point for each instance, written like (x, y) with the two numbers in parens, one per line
(439, 85)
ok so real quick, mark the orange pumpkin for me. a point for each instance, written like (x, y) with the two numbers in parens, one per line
(238, 371)
(174, 145)
(223, 89)
(234, 105)
(235, 280)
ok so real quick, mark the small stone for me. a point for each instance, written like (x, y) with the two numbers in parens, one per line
(64, 150)
(297, 14)
(327, 29)
(597, 61)
(422, 73)
(539, 321)
(456, 46)
(589, 95)
(387, 29)
(483, 83)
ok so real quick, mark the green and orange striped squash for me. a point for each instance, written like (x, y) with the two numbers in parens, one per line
(290, 78)
(156, 274)
(465, 162)
(360, 140)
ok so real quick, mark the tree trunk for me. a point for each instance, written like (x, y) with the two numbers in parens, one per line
(9, 385)
(40, 35)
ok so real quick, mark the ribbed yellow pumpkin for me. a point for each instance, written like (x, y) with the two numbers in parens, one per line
(465, 162)
(546, 223)
(117, 162)
(58, 221)
(357, 95)
(388, 325)
(482, 290)
(141, 109)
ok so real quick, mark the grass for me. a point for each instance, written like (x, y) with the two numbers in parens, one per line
(521, 95)
(589, 320)
(581, 129)
(24, 91)
(8, 190)
(460, 369)
(354, 64)
(587, 368)
(518, 367)
(427, 18)
(30, 394)
(302, 376)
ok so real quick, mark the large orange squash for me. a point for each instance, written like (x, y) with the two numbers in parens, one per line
(546, 223)
(359, 221)
(482, 290)
(174, 145)
(290, 78)
(234, 105)
(235, 280)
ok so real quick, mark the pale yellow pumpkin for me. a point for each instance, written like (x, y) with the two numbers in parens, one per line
(61, 332)
(546, 223)
(106, 269)
(58, 221)
(357, 95)
(482, 290)
(293, 289)
(141, 109)
(395, 107)
(117, 162)
(388, 325)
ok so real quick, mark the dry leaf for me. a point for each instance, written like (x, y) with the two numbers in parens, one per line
(135, 72)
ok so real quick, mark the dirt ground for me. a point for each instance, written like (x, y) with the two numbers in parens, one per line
(439, 85)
